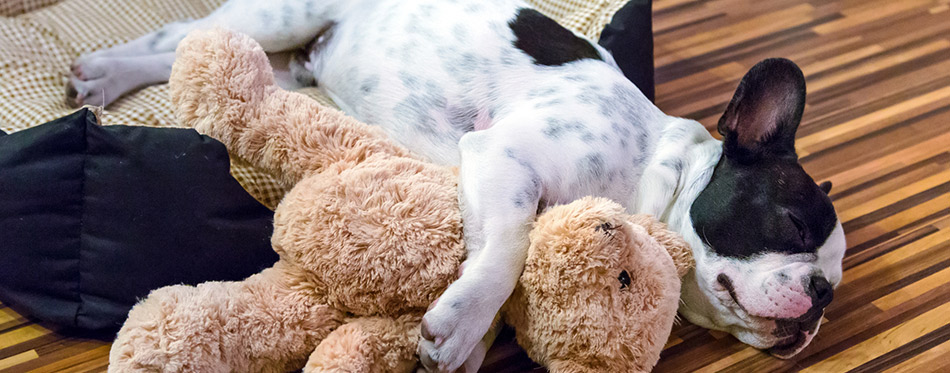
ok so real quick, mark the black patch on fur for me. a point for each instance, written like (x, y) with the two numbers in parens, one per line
(593, 164)
(266, 18)
(460, 33)
(158, 38)
(461, 117)
(287, 17)
(759, 198)
(308, 9)
(549, 103)
(546, 41)
(674, 164)
(556, 128)
(369, 84)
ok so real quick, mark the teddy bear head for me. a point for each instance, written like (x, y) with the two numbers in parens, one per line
(598, 292)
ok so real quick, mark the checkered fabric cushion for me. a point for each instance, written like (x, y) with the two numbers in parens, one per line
(586, 17)
(10, 8)
(40, 38)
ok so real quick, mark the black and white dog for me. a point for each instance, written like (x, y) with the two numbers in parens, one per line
(537, 116)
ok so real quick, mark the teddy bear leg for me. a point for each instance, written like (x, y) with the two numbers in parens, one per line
(262, 324)
(223, 86)
(371, 344)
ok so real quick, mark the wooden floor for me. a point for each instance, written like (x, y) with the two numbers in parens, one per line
(877, 125)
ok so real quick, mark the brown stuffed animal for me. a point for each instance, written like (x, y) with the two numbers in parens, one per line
(369, 236)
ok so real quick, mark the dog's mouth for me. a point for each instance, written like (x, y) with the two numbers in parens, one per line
(792, 334)
(789, 347)
(796, 333)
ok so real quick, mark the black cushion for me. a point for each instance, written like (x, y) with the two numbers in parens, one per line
(94, 217)
(629, 38)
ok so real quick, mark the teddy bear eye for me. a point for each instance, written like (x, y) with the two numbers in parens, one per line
(606, 227)
(624, 279)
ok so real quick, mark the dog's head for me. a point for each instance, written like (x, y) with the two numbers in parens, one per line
(772, 243)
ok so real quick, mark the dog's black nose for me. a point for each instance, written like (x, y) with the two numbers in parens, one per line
(821, 292)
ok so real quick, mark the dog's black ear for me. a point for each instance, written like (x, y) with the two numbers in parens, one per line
(764, 113)
(825, 187)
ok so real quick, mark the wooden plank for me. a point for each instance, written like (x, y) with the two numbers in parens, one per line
(18, 359)
(891, 162)
(884, 342)
(722, 364)
(932, 360)
(871, 13)
(841, 59)
(894, 222)
(7, 315)
(879, 64)
(737, 33)
(851, 129)
(889, 260)
(939, 9)
(21, 335)
(664, 5)
(914, 290)
(895, 196)
(85, 361)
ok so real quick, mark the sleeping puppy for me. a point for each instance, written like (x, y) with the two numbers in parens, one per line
(535, 115)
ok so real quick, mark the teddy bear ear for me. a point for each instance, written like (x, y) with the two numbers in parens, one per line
(673, 242)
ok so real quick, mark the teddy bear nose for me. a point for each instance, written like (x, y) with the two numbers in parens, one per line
(821, 292)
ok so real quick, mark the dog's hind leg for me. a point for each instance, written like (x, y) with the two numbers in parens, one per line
(105, 79)
(100, 77)
(278, 25)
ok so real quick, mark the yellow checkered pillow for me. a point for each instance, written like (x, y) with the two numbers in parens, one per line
(39, 39)
(586, 17)
(10, 8)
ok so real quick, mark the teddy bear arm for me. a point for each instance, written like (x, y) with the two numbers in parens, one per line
(369, 344)
(223, 86)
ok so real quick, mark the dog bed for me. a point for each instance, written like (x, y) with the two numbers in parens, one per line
(95, 217)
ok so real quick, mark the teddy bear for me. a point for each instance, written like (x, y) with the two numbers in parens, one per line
(369, 236)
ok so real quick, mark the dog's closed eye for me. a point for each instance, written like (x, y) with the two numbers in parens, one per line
(802, 232)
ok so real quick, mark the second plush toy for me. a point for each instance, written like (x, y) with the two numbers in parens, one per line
(369, 236)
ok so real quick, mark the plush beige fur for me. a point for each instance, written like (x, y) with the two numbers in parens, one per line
(370, 236)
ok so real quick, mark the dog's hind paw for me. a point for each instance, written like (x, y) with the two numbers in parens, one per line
(92, 81)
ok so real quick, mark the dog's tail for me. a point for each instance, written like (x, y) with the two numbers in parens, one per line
(223, 86)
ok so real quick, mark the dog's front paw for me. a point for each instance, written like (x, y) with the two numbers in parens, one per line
(455, 325)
